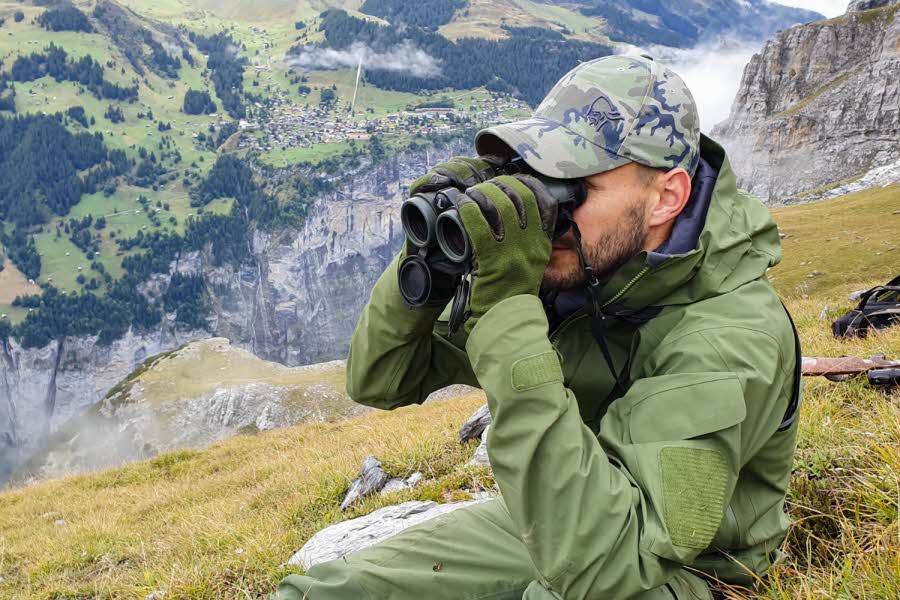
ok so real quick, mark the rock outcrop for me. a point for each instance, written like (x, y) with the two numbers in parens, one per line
(475, 425)
(350, 536)
(882, 176)
(194, 396)
(296, 302)
(819, 104)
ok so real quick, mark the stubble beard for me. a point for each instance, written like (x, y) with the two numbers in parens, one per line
(614, 248)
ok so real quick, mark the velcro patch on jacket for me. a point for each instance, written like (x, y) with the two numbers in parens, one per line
(694, 481)
(535, 371)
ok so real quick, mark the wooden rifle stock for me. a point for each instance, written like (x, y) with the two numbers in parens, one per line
(845, 365)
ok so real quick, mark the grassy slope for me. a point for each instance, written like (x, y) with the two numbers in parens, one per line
(839, 244)
(205, 366)
(61, 259)
(218, 523)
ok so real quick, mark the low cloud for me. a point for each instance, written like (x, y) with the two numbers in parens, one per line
(173, 49)
(404, 57)
(711, 71)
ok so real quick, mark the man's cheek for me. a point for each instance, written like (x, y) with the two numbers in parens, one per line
(563, 259)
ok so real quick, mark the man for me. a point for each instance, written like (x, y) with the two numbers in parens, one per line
(640, 371)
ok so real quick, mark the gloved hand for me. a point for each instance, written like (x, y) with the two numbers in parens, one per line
(460, 172)
(509, 220)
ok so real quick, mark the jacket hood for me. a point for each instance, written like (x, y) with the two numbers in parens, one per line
(723, 239)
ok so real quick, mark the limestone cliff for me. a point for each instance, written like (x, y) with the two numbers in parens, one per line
(198, 394)
(819, 104)
(296, 302)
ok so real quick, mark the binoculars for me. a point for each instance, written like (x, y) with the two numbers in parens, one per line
(433, 226)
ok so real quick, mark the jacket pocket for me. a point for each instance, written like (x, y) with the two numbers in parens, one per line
(684, 406)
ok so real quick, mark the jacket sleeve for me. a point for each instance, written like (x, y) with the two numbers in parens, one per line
(615, 514)
(396, 357)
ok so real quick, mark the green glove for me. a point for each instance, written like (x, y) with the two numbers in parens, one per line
(510, 234)
(460, 172)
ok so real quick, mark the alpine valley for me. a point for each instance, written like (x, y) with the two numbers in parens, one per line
(178, 170)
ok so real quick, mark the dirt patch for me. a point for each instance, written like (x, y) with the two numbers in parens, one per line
(13, 283)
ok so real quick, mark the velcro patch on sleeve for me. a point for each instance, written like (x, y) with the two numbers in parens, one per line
(535, 371)
(694, 481)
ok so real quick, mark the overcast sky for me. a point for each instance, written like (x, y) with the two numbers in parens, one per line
(829, 8)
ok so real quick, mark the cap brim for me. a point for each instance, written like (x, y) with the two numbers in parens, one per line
(549, 148)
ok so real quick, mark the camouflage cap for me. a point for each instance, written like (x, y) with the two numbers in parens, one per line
(603, 114)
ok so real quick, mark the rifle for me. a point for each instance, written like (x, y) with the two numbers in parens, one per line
(880, 372)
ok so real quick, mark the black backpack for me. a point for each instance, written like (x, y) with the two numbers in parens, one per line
(878, 308)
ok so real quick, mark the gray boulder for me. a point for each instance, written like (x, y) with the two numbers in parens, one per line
(481, 454)
(474, 427)
(356, 534)
(371, 479)
(398, 484)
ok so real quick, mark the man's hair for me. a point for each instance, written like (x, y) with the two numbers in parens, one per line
(648, 175)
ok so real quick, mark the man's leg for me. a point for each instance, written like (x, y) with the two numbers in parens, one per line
(684, 586)
(471, 552)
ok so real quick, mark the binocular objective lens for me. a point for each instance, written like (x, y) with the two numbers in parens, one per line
(452, 237)
(415, 280)
(418, 216)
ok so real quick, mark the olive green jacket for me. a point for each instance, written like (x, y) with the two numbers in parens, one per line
(612, 493)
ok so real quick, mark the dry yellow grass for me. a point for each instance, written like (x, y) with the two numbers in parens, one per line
(13, 284)
(217, 523)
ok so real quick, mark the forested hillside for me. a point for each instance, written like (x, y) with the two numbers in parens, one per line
(527, 64)
(684, 24)
(134, 132)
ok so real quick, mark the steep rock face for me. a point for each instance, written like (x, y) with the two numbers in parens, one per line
(42, 388)
(201, 393)
(819, 104)
(296, 302)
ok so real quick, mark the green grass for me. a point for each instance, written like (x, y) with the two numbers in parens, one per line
(125, 217)
(60, 260)
(13, 313)
(839, 245)
(290, 156)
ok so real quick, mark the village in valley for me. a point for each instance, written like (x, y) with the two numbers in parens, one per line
(283, 124)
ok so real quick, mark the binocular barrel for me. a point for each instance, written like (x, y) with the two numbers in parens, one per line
(433, 225)
(447, 230)
(418, 216)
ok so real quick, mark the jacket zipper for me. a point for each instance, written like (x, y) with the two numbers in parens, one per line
(628, 286)
(579, 314)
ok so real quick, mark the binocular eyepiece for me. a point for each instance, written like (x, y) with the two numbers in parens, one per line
(431, 219)
(432, 224)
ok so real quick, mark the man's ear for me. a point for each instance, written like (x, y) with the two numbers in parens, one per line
(674, 188)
